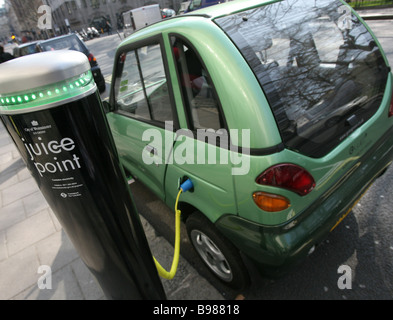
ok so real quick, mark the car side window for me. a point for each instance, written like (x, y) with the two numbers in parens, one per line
(69, 43)
(197, 89)
(141, 89)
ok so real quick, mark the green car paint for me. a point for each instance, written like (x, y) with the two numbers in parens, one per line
(272, 239)
(277, 248)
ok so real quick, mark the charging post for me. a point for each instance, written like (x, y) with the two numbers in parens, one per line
(51, 108)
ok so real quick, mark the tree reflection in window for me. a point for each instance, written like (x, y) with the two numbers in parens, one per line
(315, 72)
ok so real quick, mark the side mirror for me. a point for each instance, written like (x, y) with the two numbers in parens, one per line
(107, 106)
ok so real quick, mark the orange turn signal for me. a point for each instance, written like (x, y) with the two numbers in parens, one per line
(270, 202)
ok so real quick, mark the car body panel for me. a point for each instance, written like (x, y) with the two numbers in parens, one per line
(131, 147)
(276, 249)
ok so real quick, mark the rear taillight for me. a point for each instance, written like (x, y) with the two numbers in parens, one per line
(288, 176)
(91, 57)
(270, 202)
(391, 108)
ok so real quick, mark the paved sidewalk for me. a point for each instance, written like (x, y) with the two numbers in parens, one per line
(31, 236)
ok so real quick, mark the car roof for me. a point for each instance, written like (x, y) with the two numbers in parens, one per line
(210, 12)
(229, 7)
(59, 37)
(26, 44)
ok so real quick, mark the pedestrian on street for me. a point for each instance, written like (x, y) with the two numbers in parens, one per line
(108, 28)
(5, 56)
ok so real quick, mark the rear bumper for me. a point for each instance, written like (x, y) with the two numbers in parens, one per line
(276, 249)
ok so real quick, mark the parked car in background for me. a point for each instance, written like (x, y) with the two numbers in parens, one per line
(83, 35)
(167, 13)
(199, 4)
(141, 17)
(92, 33)
(279, 113)
(73, 42)
(25, 49)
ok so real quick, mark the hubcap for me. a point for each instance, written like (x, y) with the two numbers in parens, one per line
(212, 256)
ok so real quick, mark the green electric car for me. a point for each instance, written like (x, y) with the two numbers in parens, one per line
(279, 112)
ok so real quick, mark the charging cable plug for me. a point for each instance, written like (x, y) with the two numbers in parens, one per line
(186, 185)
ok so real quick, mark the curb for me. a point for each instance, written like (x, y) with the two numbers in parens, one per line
(377, 17)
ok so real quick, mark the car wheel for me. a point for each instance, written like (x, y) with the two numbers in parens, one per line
(220, 256)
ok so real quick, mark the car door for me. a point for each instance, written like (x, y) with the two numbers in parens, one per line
(202, 150)
(143, 115)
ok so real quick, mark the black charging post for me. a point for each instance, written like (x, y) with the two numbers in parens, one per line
(51, 108)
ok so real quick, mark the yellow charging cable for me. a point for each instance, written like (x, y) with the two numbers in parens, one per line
(161, 271)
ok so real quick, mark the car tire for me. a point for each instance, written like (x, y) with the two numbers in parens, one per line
(219, 255)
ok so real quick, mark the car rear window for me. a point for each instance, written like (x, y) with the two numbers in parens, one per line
(63, 43)
(318, 65)
(27, 50)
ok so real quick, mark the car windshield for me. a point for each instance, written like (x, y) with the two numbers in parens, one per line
(318, 65)
(63, 43)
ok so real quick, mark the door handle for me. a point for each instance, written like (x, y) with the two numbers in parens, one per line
(151, 150)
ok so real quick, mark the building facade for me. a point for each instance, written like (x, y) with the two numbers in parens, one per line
(76, 15)
(22, 16)
(5, 30)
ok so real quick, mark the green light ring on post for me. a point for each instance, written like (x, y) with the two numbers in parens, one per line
(48, 95)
